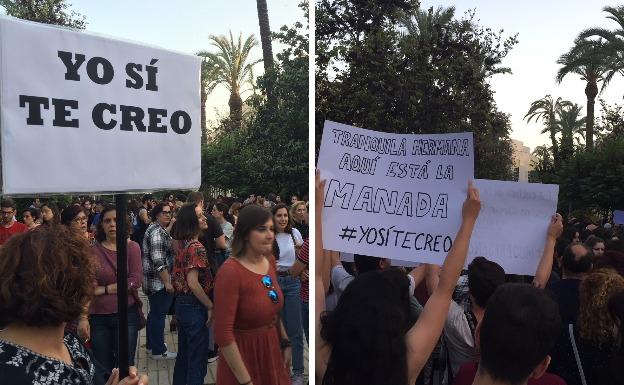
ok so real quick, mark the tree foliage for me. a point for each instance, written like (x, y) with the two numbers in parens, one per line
(389, 66)
(45, 11)
(270, 152)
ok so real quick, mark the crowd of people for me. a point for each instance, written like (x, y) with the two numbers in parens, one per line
(377, 324)
(234, 278)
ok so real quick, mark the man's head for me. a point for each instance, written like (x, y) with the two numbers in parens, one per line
(576, 259)
(484, 277)
(365, 263)
(196, 197)
(519, 328)
(7, 205)
(148, 201)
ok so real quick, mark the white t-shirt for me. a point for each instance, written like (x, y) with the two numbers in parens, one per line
(287, 248)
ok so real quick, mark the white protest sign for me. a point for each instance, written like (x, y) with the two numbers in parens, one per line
(85, 113)
(513, 222)
(393, 195)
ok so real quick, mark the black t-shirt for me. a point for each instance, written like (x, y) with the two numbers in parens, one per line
(208, 236)
(566, 293)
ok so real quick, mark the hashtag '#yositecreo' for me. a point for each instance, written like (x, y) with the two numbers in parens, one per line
(348, 233)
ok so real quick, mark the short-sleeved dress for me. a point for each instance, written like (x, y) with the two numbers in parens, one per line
(245, 313)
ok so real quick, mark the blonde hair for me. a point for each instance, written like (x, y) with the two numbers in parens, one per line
(293, 208)
(595, 323)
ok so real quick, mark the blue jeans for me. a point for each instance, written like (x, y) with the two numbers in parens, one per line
(192, 361)
(159, 304)
(104, 337)
(304, 319)
(291, 316)
(221, 256)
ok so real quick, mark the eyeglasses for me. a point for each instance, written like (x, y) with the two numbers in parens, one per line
(268, 283)
(80, 219)
(7, 212)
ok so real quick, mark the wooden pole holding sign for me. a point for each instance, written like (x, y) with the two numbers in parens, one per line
(122, 286)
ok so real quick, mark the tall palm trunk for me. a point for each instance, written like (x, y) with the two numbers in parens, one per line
(204, 134)
(236, 110)
(265, 40)
(591, 91)
(553, 140)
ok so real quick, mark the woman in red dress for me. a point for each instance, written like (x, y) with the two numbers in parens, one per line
(253, 344)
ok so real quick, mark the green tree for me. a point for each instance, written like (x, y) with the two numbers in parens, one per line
(591, 60)
(543, 165)
(269, 153)
(546, 109)
(231, 65)
(614, 47)
(392, 67)
(569, 122)
(44, 11)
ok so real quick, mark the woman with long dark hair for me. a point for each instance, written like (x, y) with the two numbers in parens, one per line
(192, 280)
(104, 307)
(253, 345)
(50, 214)
(289, 242)
(367, 339)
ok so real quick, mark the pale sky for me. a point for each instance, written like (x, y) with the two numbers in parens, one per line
(184, 25)
(546, 29)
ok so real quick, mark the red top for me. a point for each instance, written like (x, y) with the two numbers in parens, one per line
(244, 313)
(468, 371)
(107, 274)
(15, 228)
(303, 258)
(190, 255)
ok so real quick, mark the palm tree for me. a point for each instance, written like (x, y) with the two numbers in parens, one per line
(265, 40)
(569, 122)
(231, 67)
(614, 39)
(426, 24)
(590, 60)
(546, 109)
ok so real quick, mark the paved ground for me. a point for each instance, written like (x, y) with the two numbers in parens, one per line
(161, 372)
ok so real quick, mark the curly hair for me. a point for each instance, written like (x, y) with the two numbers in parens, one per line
(595, 323)
(366, 331)
(46, 277)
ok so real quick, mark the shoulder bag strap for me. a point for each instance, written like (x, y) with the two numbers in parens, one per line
(576, 354)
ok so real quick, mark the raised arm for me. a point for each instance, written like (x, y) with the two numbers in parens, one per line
(423, 336)
(322, 264)
(544, 267)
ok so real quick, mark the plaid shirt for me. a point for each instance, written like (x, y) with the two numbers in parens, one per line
(461, 294)
(157, 256)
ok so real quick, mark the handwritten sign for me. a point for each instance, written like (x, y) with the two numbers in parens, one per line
(513, 222)
(84, 113)
(393, 195)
